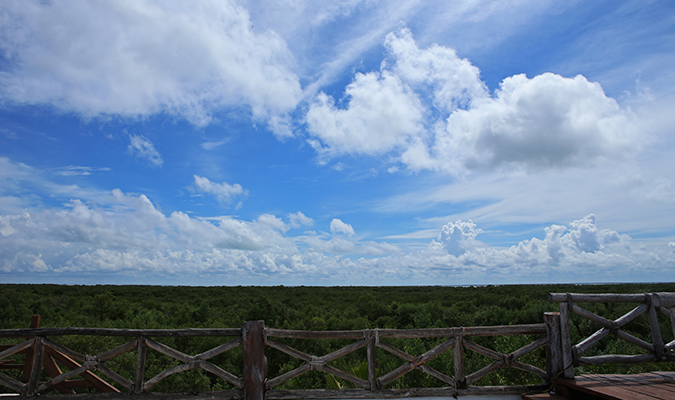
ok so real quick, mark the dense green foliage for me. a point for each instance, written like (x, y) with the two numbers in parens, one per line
(315, 308)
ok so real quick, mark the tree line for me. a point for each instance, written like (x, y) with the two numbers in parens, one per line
(314, 308)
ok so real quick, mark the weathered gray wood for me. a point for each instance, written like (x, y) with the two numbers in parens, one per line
(38, 353)
(168, 372)
(617, 359)
(525, 329)
(116, 377)
(666, 299)
(295, 334)
(393, 350)
(634, 340)
(219, 350)
(436, 374)
(140, 365)
(593, 317)
(255, 362)
(288, 375)
(459, 362)
(166, 350)
(216, 370)
(591, 340)
(528, 348)
(554, 362)
(409, 366)
(289, 350)
(659, 348)
(16, 349)
(498, 330)
(232, 394)
(482, 350)
(371, 338)
(401, 393)
(90, 377)
(105, 356)
(64, 350)
(344, 351)
(192, 332)
(596, 298)
(481, 373)
(566, 342)
(12, 383)
(530, 368)
(346, 376)
(632, 314)
(63, 377)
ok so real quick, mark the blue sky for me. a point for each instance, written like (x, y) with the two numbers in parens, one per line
(337, 143)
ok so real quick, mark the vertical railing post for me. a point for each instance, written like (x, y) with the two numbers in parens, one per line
(459, 361)
(38, 351)
(371, 337)
(554, 361)
(255, 362)
(140, 365)
(659, 347)
(565, 337)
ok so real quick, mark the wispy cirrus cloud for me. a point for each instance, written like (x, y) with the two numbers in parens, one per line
(142, 147)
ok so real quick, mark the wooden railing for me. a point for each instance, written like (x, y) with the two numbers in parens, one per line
(647, 303)
(42, 352)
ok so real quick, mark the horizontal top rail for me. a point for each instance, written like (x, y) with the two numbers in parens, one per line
(190, 332)
(664, 299)
(499, 330)
(527, 329)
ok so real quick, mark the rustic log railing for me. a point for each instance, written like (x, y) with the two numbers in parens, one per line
(42, 352)
(648, 303)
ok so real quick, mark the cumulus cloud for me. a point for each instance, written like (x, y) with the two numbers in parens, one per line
(137, 58)
(431, 111)
(456, 238)
(382, 114)
(142, 147)
(298, 219)
(130, 236)
(224, 192)
(337, 226)
(579, 244)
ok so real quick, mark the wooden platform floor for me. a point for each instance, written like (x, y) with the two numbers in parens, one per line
(648, 386)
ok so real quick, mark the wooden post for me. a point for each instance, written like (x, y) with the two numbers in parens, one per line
(659, 348)
(554, 361)
(140, 365)
(255, 362)
(565, 339)
(459, 362)
(38, 350)
(371, 336)
(28, 365)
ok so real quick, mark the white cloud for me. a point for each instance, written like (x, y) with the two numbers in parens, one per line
(142, 147)
(337, 226)
(298, 219)
(224, 192)
(382, 114)
(430, 109)
(542, 122)
(457, 238)
(137, 58)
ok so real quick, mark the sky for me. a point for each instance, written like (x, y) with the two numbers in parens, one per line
(356, 142)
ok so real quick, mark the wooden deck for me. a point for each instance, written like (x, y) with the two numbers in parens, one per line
(648, 386)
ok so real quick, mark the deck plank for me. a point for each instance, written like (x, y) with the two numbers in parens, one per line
(649, 386)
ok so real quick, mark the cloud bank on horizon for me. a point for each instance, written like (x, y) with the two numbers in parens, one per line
(344, 146)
